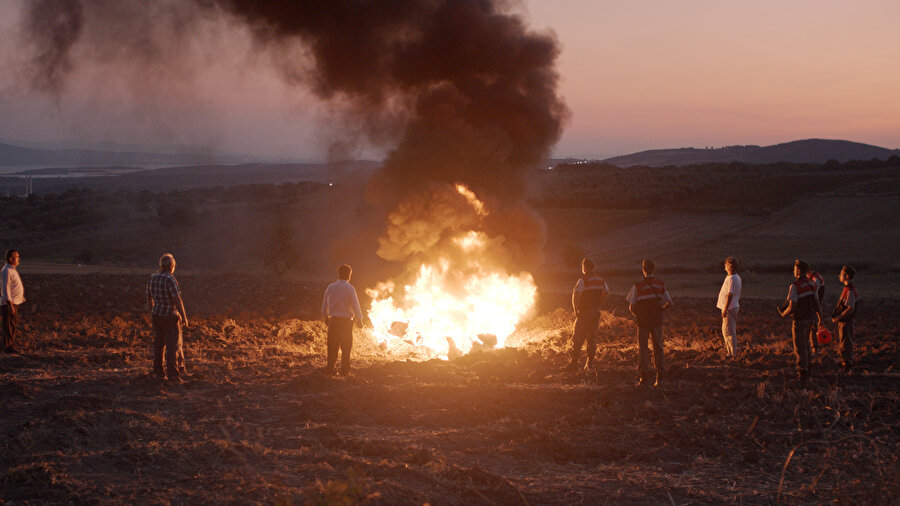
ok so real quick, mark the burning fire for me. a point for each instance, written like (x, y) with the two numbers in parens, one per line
(459, 299)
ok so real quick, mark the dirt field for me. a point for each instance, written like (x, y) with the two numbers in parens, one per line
(84, 423)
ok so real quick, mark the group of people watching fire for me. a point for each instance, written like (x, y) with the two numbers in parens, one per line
(340, 309)
(647, 300)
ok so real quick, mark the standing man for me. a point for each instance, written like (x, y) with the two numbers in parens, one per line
(340, 308)
(589, 293)
(803, 305)
(12, 294)
(167, 315)
(843, 315)
(729, 304)
(819, 281)
(647, 300)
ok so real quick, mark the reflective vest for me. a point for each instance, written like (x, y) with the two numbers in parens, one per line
(819, 281)
(805, 307)
(649, 296)
(816, 278)
(594, 288)
(842, 303)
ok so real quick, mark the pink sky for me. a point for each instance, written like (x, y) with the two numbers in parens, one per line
(654, 74)
(636, 75)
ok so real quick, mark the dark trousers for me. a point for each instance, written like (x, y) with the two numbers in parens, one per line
(167, 336)
(10, 314)
(800, 330)
(586, 324)
(340, 337)
(645, 334)
(845, 341)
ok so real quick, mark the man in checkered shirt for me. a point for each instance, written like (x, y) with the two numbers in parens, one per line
(167, 315)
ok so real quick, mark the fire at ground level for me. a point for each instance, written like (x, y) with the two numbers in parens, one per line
(83, 421)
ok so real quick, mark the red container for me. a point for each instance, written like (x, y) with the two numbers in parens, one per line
(823, 335)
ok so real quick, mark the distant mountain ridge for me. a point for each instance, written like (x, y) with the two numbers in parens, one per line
(58, 180)
(804, 151)
(17, 156)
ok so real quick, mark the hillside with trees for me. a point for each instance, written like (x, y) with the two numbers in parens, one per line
(805, 151)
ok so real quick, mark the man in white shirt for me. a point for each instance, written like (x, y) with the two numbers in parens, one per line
(12, 294)
(729, 304)
(340, 308)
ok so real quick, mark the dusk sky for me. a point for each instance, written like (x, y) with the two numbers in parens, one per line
(636, 75)
(650, 74)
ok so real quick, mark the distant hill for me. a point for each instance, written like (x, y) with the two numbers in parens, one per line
(805, 151)
(17, 156)
(57, 180)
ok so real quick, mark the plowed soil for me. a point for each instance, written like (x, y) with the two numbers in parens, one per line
(84, 422)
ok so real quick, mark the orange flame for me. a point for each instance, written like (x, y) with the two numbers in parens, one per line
(471, 199)
(459, 300)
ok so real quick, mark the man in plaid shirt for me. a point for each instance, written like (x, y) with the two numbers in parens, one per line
(167, 315)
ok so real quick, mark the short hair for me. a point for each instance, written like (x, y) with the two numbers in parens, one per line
(344, 272)
(166, 263)
(851, 272)
(733, 262)
(647, 265)
(803, 266)
(9, 254)
(587, 263)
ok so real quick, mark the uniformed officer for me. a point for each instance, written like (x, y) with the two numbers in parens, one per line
(647, 300)
(843, 314)
(819, 281)
(589, 293)
(803, 305)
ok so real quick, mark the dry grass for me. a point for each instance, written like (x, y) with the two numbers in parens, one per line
(84, 423)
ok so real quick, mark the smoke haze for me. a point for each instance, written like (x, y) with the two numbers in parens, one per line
(455, 91)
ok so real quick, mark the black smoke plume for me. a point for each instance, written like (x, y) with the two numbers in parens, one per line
(52, 27)
(460, 91)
